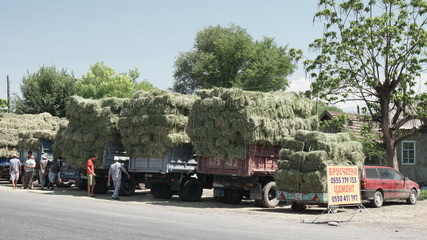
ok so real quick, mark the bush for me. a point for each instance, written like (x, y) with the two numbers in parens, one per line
(423, 195)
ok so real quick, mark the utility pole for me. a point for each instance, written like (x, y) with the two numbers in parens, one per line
(8, 94)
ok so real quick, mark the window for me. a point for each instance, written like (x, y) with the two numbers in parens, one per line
(408, 152)
(395, 174)
(371, 173)
(385, 174)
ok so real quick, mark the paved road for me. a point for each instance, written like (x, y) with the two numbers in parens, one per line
(46, 215)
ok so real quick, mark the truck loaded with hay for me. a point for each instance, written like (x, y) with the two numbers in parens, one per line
(301, 175)
(28, 132)
(237, 136)
(153, 130)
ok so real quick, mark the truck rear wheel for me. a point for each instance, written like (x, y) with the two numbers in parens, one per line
(192, 190)
(233, 196)
(269, 199)
(162, 191)
(127, 188)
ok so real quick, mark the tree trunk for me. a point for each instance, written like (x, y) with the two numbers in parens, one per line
(391, 153)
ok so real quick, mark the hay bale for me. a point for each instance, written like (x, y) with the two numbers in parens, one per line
(224, 122)
(91, 123)
(288, 180)
(153, 122)
(25, 131)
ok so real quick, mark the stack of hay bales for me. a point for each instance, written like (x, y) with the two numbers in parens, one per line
(305, 157)
(25, 131)
(91, 123)
(152, 122)
(224, 122)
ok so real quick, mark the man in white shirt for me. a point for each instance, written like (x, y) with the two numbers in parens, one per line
(116, 171)
(14, 170)
(29, 167)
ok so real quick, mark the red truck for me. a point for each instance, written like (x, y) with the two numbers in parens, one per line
(251, 178)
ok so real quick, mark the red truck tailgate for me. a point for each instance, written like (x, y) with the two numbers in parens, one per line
(259, 161)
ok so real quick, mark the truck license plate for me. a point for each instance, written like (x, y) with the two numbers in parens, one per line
(217, 185)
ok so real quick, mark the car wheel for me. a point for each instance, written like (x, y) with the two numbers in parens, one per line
(412, 197)
(378, 199)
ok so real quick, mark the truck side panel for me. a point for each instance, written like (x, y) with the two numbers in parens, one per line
(260, 161)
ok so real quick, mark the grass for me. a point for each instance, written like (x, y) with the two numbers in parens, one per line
(423, 195)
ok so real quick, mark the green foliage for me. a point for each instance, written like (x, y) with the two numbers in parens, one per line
(144, 86)
(3, 105)
(337, 123)
(46, 90)
(423, 195)
(372, 146)
(372, 51)
(102, 81)
(228, 57)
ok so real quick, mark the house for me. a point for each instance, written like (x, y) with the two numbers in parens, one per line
(412, 154)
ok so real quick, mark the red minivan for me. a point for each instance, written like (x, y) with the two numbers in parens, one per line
(379, 184)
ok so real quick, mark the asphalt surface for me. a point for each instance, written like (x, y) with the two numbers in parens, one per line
(48, 215)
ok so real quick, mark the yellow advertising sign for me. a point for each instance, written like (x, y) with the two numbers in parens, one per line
(343, 185)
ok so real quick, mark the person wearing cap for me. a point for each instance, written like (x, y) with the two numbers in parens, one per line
(14, 170)
(29, 167)
(115, 171)
(43, 172)
(90, 172)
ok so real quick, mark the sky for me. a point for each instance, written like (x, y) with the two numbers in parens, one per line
(129, 34)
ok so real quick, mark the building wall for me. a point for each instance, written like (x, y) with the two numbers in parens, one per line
(417, 171)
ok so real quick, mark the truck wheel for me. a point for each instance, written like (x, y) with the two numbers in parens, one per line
(298, 207)
(127, 188)
(269, 199)
(233, 196)
(162, 191)
(82, 184)
(192, 190)
(100, 187)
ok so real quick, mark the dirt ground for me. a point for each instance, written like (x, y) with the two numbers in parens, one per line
(394, 217)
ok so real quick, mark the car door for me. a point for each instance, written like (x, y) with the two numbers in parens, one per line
(387, 183)
(399, 184)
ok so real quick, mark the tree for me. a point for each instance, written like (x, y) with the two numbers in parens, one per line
(47, 90)
(227, 57)
(373, 51)
(145, 86)
(102, 81)
(3, 105)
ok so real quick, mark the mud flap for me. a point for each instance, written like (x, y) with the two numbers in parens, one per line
(256, 192)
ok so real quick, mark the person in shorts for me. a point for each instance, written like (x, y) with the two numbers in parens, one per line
(53, 173)
(14, 170)
(90, 172)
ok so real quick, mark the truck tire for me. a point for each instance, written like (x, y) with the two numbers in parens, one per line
(192, 190)
(162, 191)
(100, 186)
(269, 199)
(233, 196)
(127, 188)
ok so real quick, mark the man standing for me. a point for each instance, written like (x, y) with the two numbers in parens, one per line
(90, 172)
(43, 172)
(29, 167)
(53, 173)
(14, 170)
(116, 171)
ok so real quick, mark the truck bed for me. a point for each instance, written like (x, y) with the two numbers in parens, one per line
(260, 161)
